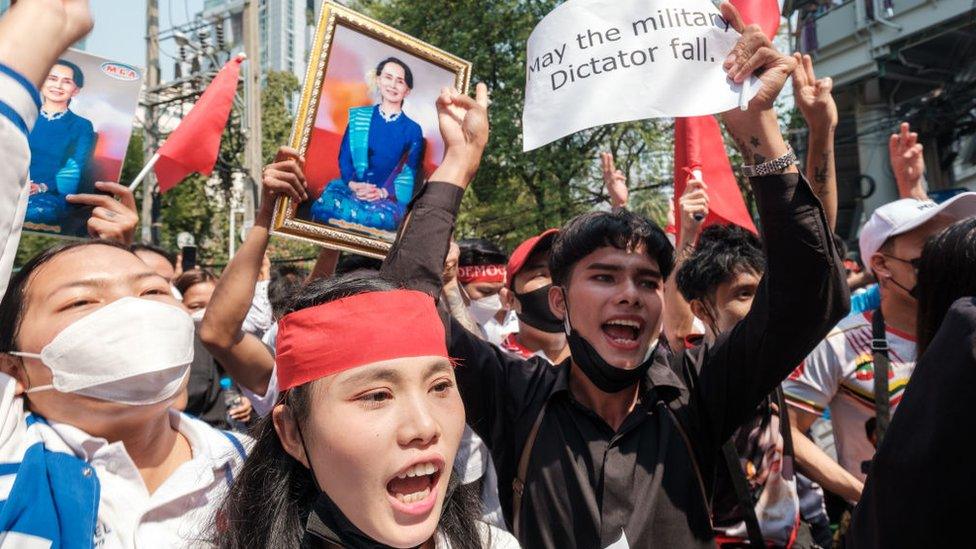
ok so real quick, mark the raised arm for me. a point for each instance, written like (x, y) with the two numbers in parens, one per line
(615, 181)
(325, 265)
(493, 384)
(803, 292)
(452, 294)
(908, 163)
(817, 105)
(417, 257)
(244, 356)
(678, 319)
(33, 34)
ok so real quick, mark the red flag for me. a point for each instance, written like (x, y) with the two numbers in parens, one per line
(698, 145)
(698, 142)
(194, 144)
(764, 13)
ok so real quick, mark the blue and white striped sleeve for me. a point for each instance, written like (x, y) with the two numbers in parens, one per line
(19, 105)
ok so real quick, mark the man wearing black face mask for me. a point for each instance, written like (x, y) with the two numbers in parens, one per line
(841, 372)
(540, 333)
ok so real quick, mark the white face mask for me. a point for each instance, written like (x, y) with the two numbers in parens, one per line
(132, 351)
(482, 310)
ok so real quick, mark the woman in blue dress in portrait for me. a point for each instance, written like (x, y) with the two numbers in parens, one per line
(379, 159)
(61, 146)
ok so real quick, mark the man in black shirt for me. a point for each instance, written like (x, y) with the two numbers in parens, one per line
(617, 446)
(755, 494)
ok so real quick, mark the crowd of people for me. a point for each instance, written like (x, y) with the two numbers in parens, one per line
(604, 385)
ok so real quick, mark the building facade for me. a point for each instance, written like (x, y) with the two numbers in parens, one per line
(283, 29)
(893, 61)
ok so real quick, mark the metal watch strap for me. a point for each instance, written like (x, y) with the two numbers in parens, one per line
(774, 166)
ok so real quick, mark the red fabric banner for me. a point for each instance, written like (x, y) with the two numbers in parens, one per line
(698, 143)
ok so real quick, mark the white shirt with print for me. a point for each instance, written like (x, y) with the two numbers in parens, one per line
(839, 374)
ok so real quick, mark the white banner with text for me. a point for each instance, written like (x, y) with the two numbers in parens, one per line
(595, 62)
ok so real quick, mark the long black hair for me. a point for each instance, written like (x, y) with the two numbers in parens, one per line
(12, 305)
(946, 273)
(274, 493)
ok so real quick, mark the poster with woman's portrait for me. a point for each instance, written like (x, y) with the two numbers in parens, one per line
(88, 104)
(367, 127)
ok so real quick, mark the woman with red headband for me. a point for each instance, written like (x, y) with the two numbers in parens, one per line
(359, 450)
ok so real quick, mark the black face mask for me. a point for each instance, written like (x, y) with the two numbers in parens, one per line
(536, 311)
(327, 522)
(607, 377)
(912, 292)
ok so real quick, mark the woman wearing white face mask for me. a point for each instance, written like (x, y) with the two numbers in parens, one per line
(95, 350)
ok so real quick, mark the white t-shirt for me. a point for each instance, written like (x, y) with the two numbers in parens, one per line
(839, 374)
(180, 513)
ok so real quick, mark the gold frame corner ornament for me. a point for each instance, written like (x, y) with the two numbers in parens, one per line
(334, 15)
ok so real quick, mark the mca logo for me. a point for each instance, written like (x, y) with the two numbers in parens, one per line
(121, 71)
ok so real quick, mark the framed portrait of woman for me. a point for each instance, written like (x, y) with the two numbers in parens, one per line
(367, 128)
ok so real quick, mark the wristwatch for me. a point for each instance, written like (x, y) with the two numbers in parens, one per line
(774, 166)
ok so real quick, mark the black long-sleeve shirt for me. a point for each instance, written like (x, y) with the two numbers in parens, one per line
(587, 485)
(919, 491)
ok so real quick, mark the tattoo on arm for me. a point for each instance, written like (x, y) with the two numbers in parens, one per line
(820, 170)
(748, 151)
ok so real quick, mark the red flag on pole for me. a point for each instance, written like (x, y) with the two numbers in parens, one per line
(194, 144)
(698, 143)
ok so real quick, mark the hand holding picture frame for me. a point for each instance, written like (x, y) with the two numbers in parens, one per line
(81, 137)
(368, 130)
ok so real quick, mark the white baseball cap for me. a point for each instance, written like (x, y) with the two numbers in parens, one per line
(903, 215)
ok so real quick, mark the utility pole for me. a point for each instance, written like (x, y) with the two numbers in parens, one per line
(152, 116)
(253, 161)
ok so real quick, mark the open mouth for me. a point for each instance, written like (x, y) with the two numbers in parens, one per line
(623, 332)
(413, 490)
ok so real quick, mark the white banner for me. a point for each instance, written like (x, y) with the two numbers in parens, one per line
(595, 62)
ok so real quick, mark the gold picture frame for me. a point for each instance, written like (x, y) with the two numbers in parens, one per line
(333, 17)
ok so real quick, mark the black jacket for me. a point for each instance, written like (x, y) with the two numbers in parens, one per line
(919, 491)
(588, 486)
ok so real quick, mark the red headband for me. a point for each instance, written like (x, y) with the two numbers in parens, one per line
(481, 273)
(354, 331)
